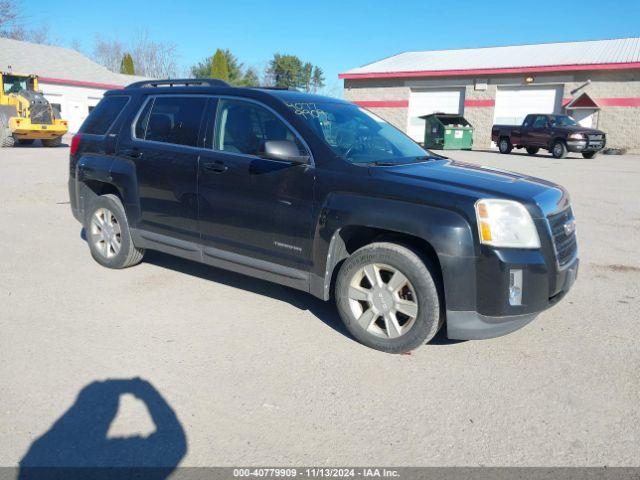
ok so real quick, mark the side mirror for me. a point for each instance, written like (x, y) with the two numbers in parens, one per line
(283, 150)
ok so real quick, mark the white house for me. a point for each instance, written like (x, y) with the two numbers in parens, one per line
(72, 82)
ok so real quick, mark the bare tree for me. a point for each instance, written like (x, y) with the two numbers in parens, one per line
(108, 53)
(152, 59)
(12, 24)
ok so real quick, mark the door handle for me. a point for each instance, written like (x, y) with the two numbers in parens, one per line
(215, 167)
(132, 153)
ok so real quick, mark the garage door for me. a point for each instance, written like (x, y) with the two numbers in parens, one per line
(514, 103)
(424, 102)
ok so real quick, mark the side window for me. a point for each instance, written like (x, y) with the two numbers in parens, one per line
(527, 122)
(244, 127)
(171, 120)
(540, 122)
(104, 114)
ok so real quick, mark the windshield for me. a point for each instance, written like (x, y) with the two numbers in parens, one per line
(562, 121)
(357, 135)
(13, 84)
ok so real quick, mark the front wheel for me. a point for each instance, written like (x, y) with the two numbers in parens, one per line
(388, 299)
(52, 142)
(504, 145)
(559, 149)
(589, 154)
(108, 234)
(532, 150)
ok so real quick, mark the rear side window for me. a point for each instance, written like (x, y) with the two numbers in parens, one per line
(104, 114)
(171, 120)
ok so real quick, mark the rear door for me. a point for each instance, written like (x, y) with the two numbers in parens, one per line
(249, 205)
(163, 144)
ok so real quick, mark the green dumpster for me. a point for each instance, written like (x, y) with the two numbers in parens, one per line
(445, 131)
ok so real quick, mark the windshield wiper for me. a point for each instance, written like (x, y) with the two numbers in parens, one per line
(382, 163)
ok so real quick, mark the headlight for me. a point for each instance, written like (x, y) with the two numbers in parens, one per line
(505, 223)
(576, 136)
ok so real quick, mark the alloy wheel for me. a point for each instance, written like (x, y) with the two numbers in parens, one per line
(106, 233)
(383, 300)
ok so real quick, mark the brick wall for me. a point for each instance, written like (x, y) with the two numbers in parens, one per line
(622, 124)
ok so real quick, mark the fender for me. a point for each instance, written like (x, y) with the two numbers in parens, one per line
(119, 173)
(448, 232)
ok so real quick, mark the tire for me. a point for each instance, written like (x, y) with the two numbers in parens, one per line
(559, 149)
(504, 145)
(25, 141)
(6, 138)
(589, 154)
(51, 142)
(532, 150)
(418, 296)
(103, 247)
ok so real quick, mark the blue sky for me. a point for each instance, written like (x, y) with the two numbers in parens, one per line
(336, 35)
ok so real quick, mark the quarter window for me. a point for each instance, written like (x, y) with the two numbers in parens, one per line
(171, 120)
(244, 127)
(104, 114)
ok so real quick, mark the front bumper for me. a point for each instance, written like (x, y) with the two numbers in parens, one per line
(579, 146)
(22, 128)
(501, 319)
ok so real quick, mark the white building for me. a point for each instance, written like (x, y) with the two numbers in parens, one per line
(70, 81)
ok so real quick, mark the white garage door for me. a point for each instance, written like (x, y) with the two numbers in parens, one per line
(424, 102)
(515, 103)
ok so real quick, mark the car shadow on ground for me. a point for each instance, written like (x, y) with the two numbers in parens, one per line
(324, 311)
(541, 154)
(77, 446)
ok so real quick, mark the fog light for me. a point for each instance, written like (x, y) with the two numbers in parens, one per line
(515, 287)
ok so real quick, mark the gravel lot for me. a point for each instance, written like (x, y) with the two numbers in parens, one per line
(259, 374)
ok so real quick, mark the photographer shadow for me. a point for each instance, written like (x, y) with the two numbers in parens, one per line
(77, 445)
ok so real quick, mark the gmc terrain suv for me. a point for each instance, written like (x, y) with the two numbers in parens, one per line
(320, 195)
(559, 134)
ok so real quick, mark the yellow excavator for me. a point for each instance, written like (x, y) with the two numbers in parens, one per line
(26, 115)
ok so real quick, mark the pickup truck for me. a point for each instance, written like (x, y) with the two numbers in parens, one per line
(320, 195)
(559, 134)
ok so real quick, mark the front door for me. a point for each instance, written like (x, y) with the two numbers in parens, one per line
(248, 205)
(539, 133)
(163, 147)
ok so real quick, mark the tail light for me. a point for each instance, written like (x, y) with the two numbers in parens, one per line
(75, 143)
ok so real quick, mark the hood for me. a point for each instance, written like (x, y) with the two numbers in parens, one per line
(578, 129)
(478, 181)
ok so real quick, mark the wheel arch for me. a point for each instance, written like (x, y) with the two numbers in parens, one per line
(443, 237)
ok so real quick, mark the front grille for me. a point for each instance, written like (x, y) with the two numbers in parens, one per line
(596, 137)
(566, 245)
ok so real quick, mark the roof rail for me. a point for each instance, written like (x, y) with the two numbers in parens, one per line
(293, 89)
(180, 82)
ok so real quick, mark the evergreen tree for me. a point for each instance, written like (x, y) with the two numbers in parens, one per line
(219, 66)
(126, 65)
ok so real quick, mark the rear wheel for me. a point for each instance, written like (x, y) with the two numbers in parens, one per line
(532, 150)
(504, 145)
(589, 154)
(387, 298)
(52, 142)
(559, 149)
(108, 234)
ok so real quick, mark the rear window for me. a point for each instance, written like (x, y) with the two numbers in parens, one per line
(104, 114)
(171, 120)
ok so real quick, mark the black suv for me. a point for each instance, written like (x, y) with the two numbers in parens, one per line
(320, 195)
